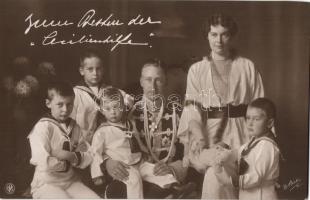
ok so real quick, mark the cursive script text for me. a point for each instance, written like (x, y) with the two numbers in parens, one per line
(38, 23)
(118, 39)
(87, 20)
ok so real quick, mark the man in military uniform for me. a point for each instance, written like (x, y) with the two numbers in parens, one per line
(156, 120)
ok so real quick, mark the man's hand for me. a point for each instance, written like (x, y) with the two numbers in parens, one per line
(117, 169)
(162, 169)
(98, 180)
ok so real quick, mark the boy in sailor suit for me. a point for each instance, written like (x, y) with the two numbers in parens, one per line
(88, 93)
(258, 159)
(57, 147)
(115, 140)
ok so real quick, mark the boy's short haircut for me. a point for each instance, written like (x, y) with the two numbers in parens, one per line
(89, 53)
(62, 88)
(112, 94)
(266, 105)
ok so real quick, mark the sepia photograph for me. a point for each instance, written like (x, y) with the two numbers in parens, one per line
(154, 99)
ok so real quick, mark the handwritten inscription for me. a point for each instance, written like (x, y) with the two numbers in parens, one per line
(44, 24)
(51, 39)
(91, 20)
(87, 20)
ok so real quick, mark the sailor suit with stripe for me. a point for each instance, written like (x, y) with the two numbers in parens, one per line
(55, 178)
(258, 181)
(87, 105)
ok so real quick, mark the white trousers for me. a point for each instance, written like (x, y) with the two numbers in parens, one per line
(76, 190)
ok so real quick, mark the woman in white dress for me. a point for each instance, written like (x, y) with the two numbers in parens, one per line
(218, 90)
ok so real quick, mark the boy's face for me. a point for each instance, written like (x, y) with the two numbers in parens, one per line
(60, 106)
(112, 110)
(92, 71)
(257, 122)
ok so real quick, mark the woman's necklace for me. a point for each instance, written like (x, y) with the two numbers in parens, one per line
(220, 71)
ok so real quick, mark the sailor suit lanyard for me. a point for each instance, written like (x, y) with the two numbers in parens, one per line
(150, 131)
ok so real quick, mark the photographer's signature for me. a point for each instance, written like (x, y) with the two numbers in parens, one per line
(292, 185)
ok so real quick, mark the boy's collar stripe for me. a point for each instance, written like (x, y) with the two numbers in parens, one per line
(90, 93)
(68, 133)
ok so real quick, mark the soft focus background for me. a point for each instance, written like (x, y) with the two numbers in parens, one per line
(274, 35)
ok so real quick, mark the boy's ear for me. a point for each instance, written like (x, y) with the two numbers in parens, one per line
(81, 69)
(270, 123)
(48, 103)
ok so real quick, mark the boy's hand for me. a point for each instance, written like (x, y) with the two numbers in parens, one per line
(82, 147)
(60, 154)
(65, 155)
(98, 180)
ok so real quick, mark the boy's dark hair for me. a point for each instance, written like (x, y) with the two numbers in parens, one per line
(88, 54)
(266, 105)
(113, 94)
(223, 20)
(62, 88)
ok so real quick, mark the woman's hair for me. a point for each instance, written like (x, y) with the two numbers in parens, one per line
(266, 105)
(223, 20)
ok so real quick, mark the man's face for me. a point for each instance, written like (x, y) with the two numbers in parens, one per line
(60, 106)
(152, 81)
(92, 71)
(219, 39)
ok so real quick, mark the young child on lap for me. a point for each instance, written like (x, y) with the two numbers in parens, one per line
(113, 140)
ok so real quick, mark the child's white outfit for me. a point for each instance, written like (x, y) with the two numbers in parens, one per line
(259, 180)
(55, 178)
(113, 140)
(86, 107)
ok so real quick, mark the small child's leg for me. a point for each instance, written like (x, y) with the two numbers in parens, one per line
(134, 184)
(78, 190)
(48, 191)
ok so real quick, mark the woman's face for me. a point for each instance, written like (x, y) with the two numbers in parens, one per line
(219, 39)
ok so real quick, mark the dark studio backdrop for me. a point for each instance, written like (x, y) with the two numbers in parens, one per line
(274, 35)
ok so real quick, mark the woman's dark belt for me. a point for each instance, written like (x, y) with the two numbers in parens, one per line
(229, 111)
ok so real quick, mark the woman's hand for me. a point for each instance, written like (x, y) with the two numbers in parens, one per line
(162, 169)
(117, 169)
